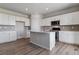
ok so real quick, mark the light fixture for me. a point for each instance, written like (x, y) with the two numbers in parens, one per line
(26, 9)
(47, 8)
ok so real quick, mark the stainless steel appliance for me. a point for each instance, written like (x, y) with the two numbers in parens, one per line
(56, 27)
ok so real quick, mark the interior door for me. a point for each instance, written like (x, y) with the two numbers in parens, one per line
(20, 29)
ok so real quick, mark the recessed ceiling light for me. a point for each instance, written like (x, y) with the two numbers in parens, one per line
(47, 8)
(26, 9)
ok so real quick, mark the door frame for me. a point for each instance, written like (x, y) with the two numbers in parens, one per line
(21, 22)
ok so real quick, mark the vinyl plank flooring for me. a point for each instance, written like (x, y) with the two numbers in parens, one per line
(24, 47)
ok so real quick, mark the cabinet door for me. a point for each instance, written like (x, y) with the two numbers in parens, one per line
(70, 19)
(11, 20)
(13, 36)
(75, 18)
(66, 19)
(1, 19)
(4, 19)
(4, 36)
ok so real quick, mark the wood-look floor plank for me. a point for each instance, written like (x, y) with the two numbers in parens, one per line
(24, 47)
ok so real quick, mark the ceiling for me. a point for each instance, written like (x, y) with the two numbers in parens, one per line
(36, 7)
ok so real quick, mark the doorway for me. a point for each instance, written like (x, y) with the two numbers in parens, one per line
(20, 29)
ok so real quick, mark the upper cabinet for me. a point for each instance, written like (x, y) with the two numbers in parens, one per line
(70, 19)
(6, 19)
(56, 18)
(75, 18)
(47, 21)
(65, 19)
(12, 20)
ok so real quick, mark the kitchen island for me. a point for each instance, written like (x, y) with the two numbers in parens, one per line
(43, 39)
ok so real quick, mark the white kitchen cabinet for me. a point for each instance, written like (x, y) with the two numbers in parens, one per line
(47, 21)
(1, 19)
(66, 19)
(56, 18)
(71, 37)
(4, 36)
(75, 18)
(7, 36)
(70, 19)
(11, 20)
(12, 36)
(4, 19)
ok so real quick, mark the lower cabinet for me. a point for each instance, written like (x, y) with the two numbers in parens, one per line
(7, 36)
(13, 35)
(71, 37)
(4, 36)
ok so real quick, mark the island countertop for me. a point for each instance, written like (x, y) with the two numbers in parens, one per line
(42, 32)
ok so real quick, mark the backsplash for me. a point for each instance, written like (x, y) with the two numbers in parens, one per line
(62, 28)
(69, 27)
(7, 28)
(45, 28)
